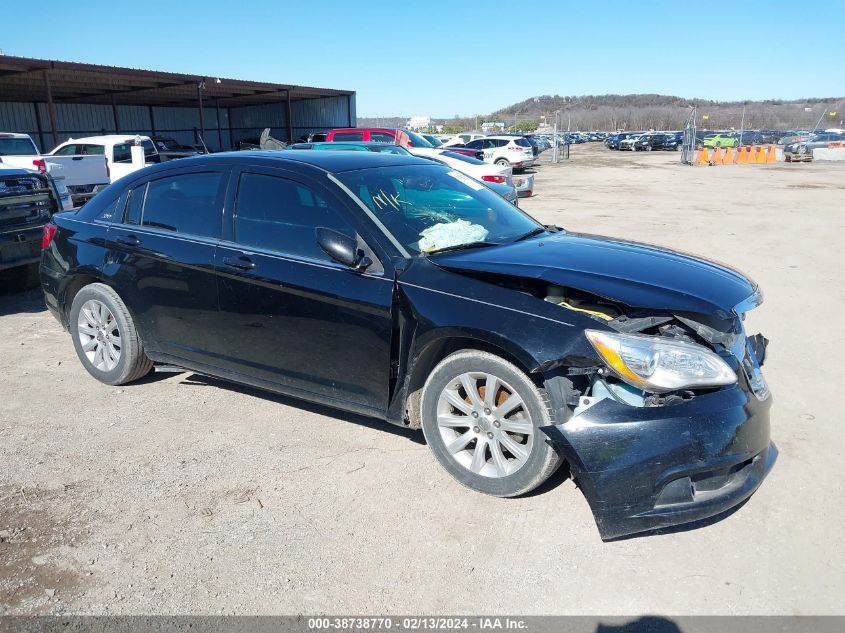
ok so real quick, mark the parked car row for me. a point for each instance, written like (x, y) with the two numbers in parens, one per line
(507, 153)
(802, 150)
(646, 141)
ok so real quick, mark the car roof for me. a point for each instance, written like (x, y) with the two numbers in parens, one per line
(107, 138)
(339, 144)
(329, 161)
(13, 135)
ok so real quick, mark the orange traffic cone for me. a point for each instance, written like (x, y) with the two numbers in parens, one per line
(729, 157)
(771, 157)
(742, 157)
(717, 156)
(761, 155)
(705, 157)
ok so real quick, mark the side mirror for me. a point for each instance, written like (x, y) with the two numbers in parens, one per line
(342, 248)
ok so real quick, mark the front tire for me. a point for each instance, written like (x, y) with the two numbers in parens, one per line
(105, 337)
(481, 417)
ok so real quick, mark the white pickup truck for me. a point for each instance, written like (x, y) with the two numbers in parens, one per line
(82, 175)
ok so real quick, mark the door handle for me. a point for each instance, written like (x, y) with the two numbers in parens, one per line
(241, 263)
(129, 240)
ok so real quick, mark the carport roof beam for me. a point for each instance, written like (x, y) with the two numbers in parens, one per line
(73, 82)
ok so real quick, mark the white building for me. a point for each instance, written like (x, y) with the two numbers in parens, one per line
(419, 123)
(489, 126)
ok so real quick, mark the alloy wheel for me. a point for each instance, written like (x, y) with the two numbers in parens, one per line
(99, 335)
(485, 424)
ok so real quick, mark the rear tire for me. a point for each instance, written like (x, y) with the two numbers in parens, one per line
(503, 162)
(105, 337)
(483, 440)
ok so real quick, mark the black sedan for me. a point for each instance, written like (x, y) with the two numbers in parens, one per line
(401, 289)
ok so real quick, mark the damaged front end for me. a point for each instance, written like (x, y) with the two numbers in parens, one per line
(662, 410)
(652, 441)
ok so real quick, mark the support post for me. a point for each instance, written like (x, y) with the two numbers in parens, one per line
(51, 107)
(114, 115)
(200, 88)
(229, 121)
(40, 127)
(219, 131)
(289, 115)
(152, 120)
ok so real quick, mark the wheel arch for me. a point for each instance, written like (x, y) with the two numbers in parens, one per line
(438, 345)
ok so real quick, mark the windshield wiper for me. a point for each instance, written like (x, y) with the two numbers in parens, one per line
(460, 247)
(532, 233)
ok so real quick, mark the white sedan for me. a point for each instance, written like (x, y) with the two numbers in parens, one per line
(496, 176)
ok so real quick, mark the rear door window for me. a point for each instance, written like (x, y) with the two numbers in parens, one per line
(89, 149)
(67, 150)
(122, 153)
(349, 136)
(185, 203)
(382, 137)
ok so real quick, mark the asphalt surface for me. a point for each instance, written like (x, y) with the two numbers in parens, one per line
(181, 494)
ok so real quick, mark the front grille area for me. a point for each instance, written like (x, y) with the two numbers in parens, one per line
(24, 200)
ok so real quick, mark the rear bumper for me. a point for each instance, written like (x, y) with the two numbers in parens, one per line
(653, 467)
(20, 247)
(50, 283)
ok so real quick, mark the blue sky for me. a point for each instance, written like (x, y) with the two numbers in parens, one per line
(447, 57)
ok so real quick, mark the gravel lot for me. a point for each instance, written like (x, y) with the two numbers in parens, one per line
(188, 495)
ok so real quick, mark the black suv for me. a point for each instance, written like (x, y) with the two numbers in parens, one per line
(395, 287)
(650, 142)
(27, 202)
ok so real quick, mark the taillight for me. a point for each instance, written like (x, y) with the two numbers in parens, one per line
(47, 234)
(491, 178)
(41, 165)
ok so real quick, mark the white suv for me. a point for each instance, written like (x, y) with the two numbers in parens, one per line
(462, 138)
(117, 149)
(507, 151)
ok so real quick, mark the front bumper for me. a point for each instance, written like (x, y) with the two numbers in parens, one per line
(643, 468)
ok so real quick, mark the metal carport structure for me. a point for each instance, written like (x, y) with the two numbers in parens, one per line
(53, 100)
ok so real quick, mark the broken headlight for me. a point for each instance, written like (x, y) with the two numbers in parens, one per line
(659, 364)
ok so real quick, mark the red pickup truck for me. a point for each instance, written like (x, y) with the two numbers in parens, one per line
(398, 136)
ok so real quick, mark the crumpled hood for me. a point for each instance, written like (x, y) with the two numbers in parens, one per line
(637, 275)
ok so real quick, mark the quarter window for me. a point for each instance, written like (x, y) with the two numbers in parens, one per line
(186, 203)
(134, 205)
(281, 215)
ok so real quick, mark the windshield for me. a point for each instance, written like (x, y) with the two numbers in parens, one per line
(417, 140)
(433, 140)
(428, 208)
(17, 147)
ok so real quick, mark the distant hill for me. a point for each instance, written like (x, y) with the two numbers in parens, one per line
(650, 111)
